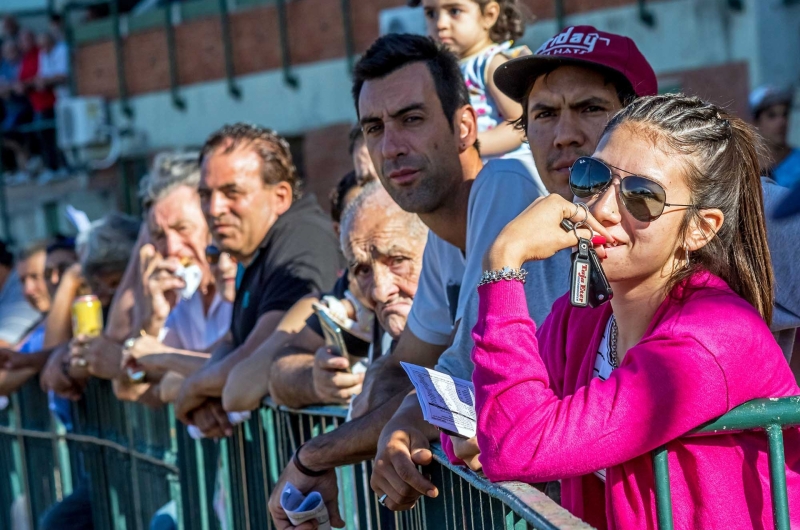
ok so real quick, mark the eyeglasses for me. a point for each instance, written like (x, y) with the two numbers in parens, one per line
(213, 254)
(643, 198)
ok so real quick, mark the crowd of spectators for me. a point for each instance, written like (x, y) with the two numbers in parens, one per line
(212, 301)
(34, 69)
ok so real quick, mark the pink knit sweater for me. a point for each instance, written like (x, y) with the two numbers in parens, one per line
(542, 416)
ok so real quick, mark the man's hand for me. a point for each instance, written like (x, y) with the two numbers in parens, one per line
(401, 448)
(101, 356)
(143, 354)
(211, 419)
(468, 451)
(325, 485)
(333, 382)
(196, 389)
(160, 287)
(54, 377)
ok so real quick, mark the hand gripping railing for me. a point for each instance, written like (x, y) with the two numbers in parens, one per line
(467, 500)
(773, 415)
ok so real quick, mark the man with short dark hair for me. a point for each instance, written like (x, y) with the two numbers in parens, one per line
(421, 133)
(285, 245)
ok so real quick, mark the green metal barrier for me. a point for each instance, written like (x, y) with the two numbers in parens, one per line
(770, 415)
(137, 460)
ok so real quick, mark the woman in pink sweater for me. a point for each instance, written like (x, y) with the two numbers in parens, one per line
(674, 190)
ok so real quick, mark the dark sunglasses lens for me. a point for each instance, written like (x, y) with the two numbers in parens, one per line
(588, 177)
(643, 198)
(212, 255)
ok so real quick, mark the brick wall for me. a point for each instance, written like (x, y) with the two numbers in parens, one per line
(326, 160)
(255, 43)
(726, 85)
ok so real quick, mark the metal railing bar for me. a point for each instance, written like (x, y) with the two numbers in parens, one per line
(82, 438)
(777, 477)
(227, 50)
(755, 415)
(169, 31)
(349, 44)
(531, 504)
(283, 33)
(663, 494)
(119, 54)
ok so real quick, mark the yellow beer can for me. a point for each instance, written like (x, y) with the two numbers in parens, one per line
(87, 316)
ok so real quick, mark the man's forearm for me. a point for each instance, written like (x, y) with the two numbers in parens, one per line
(12, 380)
(291, 380)
(353, 442)
(183, 363)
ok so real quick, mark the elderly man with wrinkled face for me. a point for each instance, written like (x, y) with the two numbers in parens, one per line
(383, 246)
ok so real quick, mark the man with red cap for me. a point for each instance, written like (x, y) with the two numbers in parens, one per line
(569, 90)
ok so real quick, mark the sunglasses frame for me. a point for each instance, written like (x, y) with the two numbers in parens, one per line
(609, 167)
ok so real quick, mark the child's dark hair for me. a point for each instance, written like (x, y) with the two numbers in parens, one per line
(510, 24)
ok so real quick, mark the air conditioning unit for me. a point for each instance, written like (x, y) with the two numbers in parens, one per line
(81, 122)
(402, 20)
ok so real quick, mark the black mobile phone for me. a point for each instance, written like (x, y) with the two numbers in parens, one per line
(600, 290)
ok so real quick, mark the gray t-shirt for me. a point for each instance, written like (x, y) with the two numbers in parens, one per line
(17, 316)
(502, 190)
(782, 236)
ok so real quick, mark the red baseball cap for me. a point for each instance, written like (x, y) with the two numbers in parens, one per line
(579, 46)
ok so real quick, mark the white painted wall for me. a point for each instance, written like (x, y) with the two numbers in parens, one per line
(321, 99)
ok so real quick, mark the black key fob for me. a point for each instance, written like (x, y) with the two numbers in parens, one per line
(580, 273)
(599, 289)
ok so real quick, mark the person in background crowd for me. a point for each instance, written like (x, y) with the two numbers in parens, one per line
(17, 316)
(300, 333)
(53, 63)
(682, 264)
(284, 244)
(770, 108)
(345, 191)
(383, 245)
(171, 357)
(481, 33)
(362, 163)
(105, 251)
(420, 130)
(176, 240)
(30, 269)
(10, 28)
(16, 107)
(17, 367)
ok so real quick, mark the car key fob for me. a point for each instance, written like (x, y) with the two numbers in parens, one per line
(600, 290)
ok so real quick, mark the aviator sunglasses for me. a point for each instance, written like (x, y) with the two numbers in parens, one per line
(642, 197)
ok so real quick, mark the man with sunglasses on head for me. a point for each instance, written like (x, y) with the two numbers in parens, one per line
(569, 90)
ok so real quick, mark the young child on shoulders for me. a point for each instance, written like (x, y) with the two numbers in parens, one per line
(481, 33)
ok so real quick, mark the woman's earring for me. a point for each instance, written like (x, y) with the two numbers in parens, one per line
(688, 255)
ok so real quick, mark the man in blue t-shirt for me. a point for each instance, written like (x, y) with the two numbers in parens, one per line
(770, 108)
